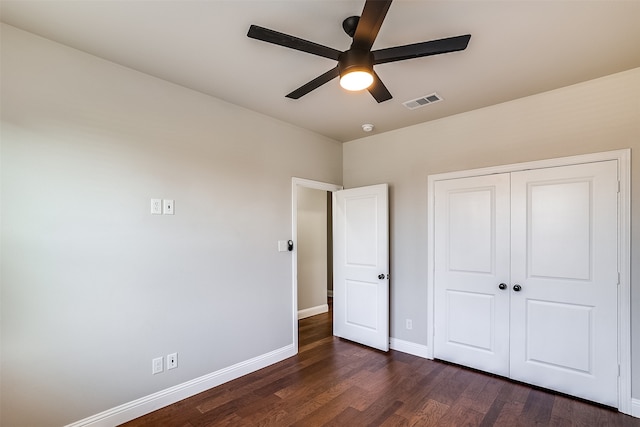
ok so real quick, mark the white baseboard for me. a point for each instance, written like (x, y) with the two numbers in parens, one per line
(635, 408)
(147, 404)
(137, 408)
(308, 312)
(409, 347)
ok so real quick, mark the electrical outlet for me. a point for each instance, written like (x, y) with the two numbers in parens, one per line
(167, 207)
(156, 365)
(156, 206)
(409, 324)
(172, 361)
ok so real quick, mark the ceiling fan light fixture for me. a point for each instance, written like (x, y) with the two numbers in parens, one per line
(356, 80)
(356, 69)
(355, 65)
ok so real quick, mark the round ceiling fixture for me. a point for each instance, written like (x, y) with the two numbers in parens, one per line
(367, 127)
(356, 69)
(356, 80)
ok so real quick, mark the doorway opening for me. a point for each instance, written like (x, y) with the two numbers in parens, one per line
(312, 254)
(314, 251)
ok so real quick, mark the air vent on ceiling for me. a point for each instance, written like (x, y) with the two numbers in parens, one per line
(422, 101)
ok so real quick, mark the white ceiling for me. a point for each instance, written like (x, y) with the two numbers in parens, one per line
(518, 48)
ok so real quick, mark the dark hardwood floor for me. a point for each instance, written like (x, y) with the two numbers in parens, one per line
(334, 382)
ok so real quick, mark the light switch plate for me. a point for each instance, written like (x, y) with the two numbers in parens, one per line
(172, 361)
(167, 207)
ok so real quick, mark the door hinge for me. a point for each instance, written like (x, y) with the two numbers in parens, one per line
(618, 278)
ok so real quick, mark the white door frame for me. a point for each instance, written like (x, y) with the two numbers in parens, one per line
(295, 183)
(624, 249)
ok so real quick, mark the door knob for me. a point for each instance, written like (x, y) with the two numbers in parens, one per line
(502, 286)
(380, 276)
(517, 288)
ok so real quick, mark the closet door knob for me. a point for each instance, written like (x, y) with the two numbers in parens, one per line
(380, 276)
(517, 288)
(502, 286)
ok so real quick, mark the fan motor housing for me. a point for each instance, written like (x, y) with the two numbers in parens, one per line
(355, 60)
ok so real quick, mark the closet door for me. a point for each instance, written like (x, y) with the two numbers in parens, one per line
(564, 260)
(471, 263)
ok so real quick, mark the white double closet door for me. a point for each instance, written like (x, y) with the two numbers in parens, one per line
(526, 275)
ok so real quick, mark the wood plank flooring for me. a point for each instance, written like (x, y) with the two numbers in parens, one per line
(334, 382)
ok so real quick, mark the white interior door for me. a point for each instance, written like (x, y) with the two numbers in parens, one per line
(564, 245)
(471, 261)
(361, 265)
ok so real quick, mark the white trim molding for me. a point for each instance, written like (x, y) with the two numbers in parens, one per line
(312, 311)
(139, 407)
(409, 348)
(626, 404)
(635, 408)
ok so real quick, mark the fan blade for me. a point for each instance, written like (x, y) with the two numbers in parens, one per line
(418, 50)
(378, 90)
(369, 24)
(275, 37)
(314, 84)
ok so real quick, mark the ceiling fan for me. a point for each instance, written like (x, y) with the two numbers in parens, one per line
(355, 65)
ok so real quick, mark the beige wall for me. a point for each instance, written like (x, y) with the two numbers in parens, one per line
(595, 116)
(93, 286)
(312, 248)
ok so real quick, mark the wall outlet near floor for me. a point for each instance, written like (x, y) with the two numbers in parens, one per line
(172, 361)
(156, 365)
(408, 324)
